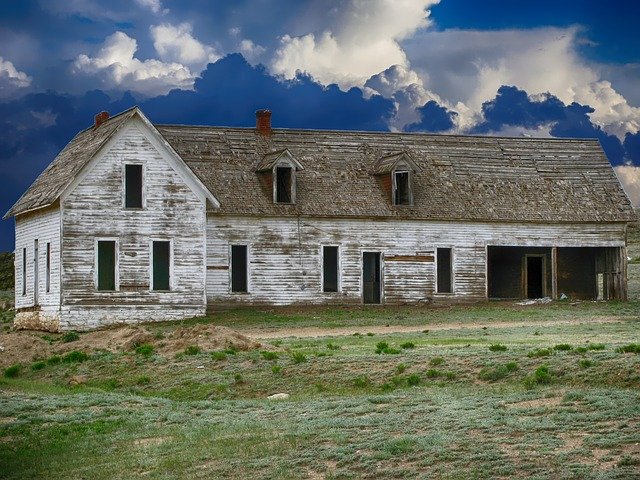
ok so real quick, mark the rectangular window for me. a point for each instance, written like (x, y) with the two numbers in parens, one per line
(161, 265)
(284, 178)
(133, 186)
(330, 269)
(444, 283)
(106, 265)
(48, 269)
(238, 268)
(402, 194)
(24, 271)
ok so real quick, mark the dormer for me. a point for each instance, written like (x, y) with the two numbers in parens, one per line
(399, 169)
(283, 167)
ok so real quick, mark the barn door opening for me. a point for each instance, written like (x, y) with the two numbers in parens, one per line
(534, 276)
(371, 278)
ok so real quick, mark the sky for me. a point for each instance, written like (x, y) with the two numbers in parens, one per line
(529, 68)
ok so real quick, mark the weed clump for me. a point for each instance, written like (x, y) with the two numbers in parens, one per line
(361, 381)
(276, 369)
(498, 348)
(71, 336)
(143, 380)
(540, 352)
(12, 371)
(75, 357)
(631, 348)
(433, 373)
(54, 360)
(38, 366)
(332, 346)
(400, 368)
(408, 345)
(192, 350)
(269, 355)
(218, 356)
(146, 349)
(596, 346)
(413, 380)
(497, 373)
(298, 357)
(563, 347)
(436, 361)
(541, 376)
(585, 363)
(383, 347)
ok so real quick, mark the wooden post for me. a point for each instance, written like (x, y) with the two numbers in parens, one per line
(554, 273)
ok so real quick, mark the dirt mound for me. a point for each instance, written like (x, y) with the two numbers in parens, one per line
(207, 337)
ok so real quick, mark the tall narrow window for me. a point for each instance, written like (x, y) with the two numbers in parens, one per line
(24, 271)
(238, 268)
(444, 283)
(402, 190)
(133, 186)
(48, 269)
(106, 264)
(161, 265)
(284, 185)
(329, 269)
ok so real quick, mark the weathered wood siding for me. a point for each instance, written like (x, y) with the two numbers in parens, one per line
(45, 227)
(285, 260)
(94, 209)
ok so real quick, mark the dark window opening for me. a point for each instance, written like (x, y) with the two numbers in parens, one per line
(284, 176)
(133, 186)
(329, 269)
(161, 265)
(371, 277)
(24, 271)
(48, 269)
(402, 194)
(106, 265)
(238, 268)
(444, 283)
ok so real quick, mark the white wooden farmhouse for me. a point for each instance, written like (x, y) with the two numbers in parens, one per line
(138, 222)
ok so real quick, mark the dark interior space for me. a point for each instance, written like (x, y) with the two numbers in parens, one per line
(535, 276)
(371, 279)
(507, 267)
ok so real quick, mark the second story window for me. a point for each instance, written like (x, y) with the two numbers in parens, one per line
(401, 188)
(284, 184)
(133, 186)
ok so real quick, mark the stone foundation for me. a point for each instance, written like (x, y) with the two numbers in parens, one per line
(37, 320)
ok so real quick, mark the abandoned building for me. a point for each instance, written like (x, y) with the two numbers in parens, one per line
(137, 222)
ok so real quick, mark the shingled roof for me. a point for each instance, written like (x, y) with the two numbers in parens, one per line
(457, 177)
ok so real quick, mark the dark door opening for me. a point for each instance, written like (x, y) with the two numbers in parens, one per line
(535, 276)
(371, 279)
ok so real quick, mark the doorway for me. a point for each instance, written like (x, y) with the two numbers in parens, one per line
(371, 278)
(534, 276)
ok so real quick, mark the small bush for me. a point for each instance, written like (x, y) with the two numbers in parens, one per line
(585, 363)
(631, 348)
(361, 381)
(563, 347)
(192, 350)
(511, 366)
(238, 378)
(596, 346)
(12, 371)
(145, 349)
(433, 373)
(370, 334)
(397, 381)
(70, 337)
(218, 356)
(38, 366)
(580, 350)
(400, 368)
(493, 374)
(413, 380)
(298, 357)
(332, 346)
(408, 345)
(541, 376)
(276, 369)
(436, 361)
(143, 380)
(450, 375)
(269, 355)
(75, 357)
(498, 348)
(54, 360)
(540, 352)
(381, 346)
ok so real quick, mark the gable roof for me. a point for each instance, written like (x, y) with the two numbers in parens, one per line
(269, 160)
(457, 177)
(388, 163)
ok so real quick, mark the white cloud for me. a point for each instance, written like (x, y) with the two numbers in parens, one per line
(630, 179)
(116, 67)
(177, 44)
(154, 5)
(11, 79)
(364, 42)
(251, 51)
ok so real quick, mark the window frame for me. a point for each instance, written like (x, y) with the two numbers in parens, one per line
(338, 267)
(247, 269)
(274, 175)
(451, 270)
(171, 260)
(394, 186)
(116, 266)
(142, 184)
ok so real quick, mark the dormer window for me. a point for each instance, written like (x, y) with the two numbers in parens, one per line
(284, 184)
(397, 171)
(401, 187)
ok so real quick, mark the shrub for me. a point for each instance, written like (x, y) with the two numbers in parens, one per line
(38, 366)
(269, 355)
(450, 375)
(498, 348)
(145, 349)
(332, 346)
(276, 369)
(218, 356)
(397, 381)
(75, 357)
(596, 346)
(54, 360)
(400, 368)
(298, 357)
(408, 345)
(511, 366)
(585, 363)
(238, 378)
(12, 371)
(542, 375)
(631, 348)
(192, 350)
(413, 380)
(493, 374)
(381, 346)
(370, 334)
(433, 373)
(361, 381)
(436, 361)
(563, 347)
(70, 337)
(391, 351)
(539, 352)
(143, 380)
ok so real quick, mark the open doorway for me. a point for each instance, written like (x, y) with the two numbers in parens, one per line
(534, 276)
(371, 277)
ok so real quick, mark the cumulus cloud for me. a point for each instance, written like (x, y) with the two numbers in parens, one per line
(11, 79)
(363, 42)
(251, 51)
(175, 43)
(115, 66)
(154, 5)
(629, 177)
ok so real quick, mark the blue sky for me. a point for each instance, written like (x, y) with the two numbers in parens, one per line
(543, 68)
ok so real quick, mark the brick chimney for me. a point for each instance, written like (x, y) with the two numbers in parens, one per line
(263, 122)
(101, 118)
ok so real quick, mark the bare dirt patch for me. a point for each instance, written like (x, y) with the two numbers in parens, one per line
(537, 403)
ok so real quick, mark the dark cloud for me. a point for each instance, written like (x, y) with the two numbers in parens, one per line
(433, 118)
